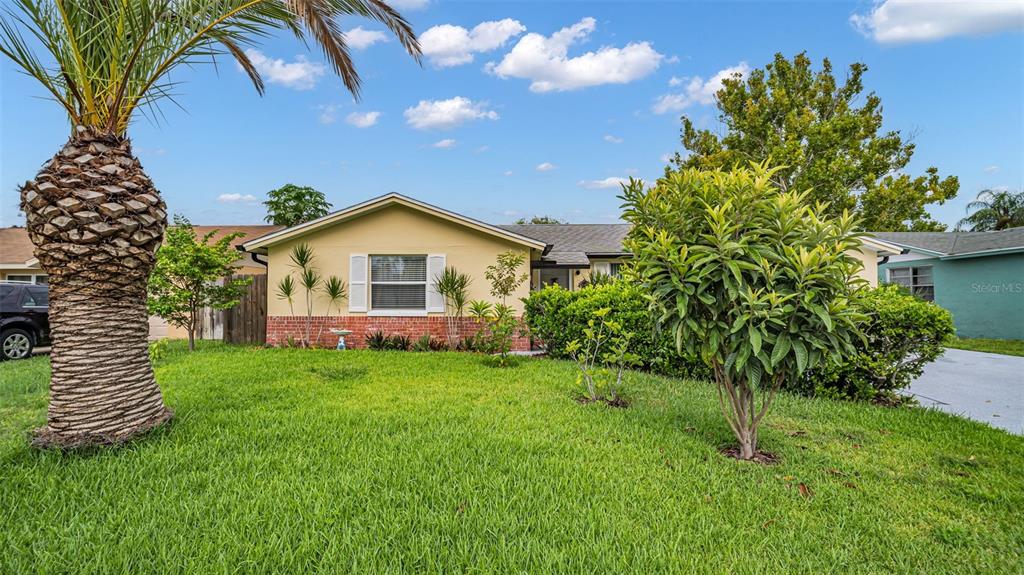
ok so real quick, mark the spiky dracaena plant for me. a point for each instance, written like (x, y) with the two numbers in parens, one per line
(454, 288)
(94, 216)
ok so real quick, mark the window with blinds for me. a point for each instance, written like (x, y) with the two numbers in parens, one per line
(398, 282)
(918, 280)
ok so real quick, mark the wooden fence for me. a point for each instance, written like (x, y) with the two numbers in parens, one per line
(246, 323)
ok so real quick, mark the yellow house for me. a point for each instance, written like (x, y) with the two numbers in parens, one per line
(389, 249)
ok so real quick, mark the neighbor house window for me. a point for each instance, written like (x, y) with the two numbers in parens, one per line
(615, 270)
(39, 279)
(398, 282)
(916, 279)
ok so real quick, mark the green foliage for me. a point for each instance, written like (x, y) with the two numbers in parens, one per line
(158, 349)
(602, 357)
(539, 220)
(303, 257)
(496, 327)
(336, 292)
(557, 316)
(426, 342)
(291, 205)
(454, 288)
(191, 273)
(751, 280)
(1002, 346)
(902, 334)
(377, 341)
(286, 291)
(504, 274)
(111, 58)
(596, 279)
(811, 126)
(994, 210)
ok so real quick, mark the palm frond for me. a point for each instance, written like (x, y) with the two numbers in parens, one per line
(106, 59)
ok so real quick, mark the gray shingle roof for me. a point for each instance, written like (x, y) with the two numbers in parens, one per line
(957, 243)
(571, 243)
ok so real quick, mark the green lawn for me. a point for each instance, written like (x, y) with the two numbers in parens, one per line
(291, 461)
(1003, 346)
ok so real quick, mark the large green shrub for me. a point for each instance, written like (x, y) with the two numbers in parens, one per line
(902, 334)
(557, 316)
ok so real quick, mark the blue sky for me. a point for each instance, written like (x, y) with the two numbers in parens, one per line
(508, 116)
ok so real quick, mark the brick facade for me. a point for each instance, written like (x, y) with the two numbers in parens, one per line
(280, 328)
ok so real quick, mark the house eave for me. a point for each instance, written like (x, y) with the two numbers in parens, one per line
(381, 202)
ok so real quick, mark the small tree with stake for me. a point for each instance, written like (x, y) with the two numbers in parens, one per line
(184, 279)
(747, 278)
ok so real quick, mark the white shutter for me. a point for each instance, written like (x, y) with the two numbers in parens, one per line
(357, 281)
(435, 267)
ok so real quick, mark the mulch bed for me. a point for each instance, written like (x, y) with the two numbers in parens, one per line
(618, 402)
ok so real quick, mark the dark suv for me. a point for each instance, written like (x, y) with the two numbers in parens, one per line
(24, 319)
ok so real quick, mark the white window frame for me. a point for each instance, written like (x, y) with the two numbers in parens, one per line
(913, 276)
(33, 281)
(401, 312)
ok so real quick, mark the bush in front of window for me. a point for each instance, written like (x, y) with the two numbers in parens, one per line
(557, 316)
(903, 333)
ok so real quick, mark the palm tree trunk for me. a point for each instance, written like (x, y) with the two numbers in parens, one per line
(96, 221)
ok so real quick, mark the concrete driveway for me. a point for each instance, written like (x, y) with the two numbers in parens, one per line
(982, 386)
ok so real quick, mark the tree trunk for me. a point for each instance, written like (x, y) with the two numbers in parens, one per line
(96, 221)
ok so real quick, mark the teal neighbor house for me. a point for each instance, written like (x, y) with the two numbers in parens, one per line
(977, 276)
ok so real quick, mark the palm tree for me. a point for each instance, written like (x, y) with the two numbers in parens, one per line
(994, 210)
(94, 216)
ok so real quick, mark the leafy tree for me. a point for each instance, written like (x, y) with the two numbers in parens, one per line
(291, 205)
(994, 210)
(826, 139)
(101, 61)
(539, 220)
(185, 278)
(504, 274)
(748, 278)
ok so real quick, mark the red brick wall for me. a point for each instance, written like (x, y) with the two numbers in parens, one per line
(280, 328)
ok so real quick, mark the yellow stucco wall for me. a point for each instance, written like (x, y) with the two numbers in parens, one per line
(393, 230)
(869, 258)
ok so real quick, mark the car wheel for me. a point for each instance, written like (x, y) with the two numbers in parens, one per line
(15, 344)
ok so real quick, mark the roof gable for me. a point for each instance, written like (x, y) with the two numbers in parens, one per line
(260, 244)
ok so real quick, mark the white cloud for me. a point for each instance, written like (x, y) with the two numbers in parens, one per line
(447, 114)
(408, 4)
(360, 39)
(300, 74)
(675, 81)
(545, 62)
(483, 149)
(232, 198)
(448, 45)
(362, 119)
(508, 173)
(328, 113)
(444, 144)
(546, 167)
(991, 169)
(612, 139)
(667, 157)
(697, 91)
(894, 21)
(610, 182)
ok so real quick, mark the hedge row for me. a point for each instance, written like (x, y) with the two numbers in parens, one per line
(902, 335)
